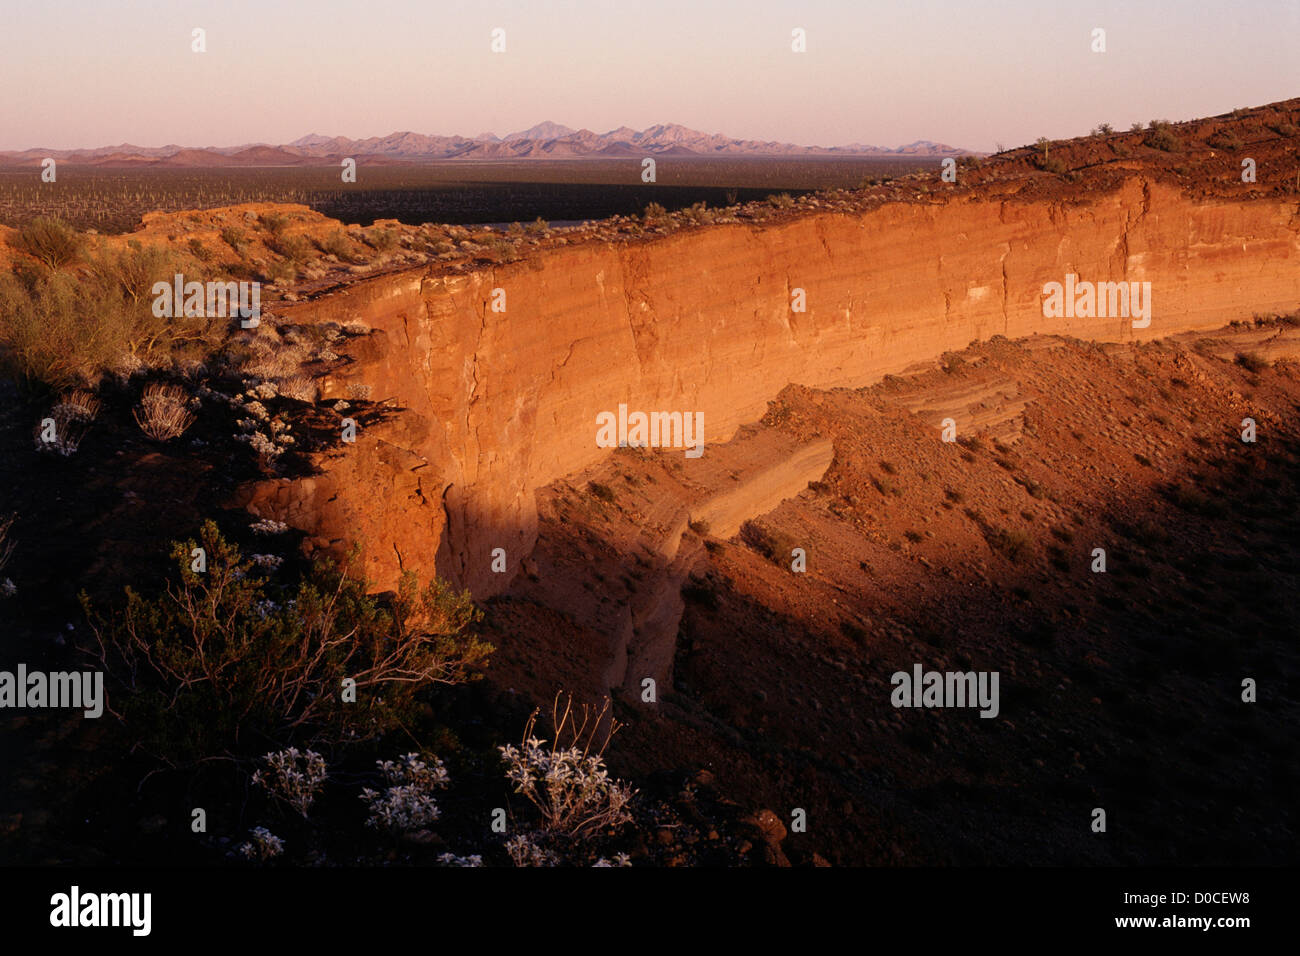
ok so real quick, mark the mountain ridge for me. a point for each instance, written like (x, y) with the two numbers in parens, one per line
(545, 140)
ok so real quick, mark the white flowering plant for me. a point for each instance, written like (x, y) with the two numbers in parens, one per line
(268, 526)
(292, 777)
(263, 846)
(569, 785)
(527, 849)
(407, 802)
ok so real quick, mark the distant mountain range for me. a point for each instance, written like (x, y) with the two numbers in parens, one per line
(544, 141)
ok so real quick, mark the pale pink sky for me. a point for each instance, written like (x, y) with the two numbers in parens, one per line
(86, 73)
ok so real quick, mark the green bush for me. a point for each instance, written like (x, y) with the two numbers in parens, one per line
(1013, 543)
(337, 244)
(1162, 136)
(275, 223)
(50, 241)
(134, 270)
(235, 238)
(199, 250)
(1225, 139)
(699, 213)
(62, 331)
(503, 249)
(1252, 361)
(381, 240)
(281, 270)
(294, 248)
(773, 545)
(224, 662)
(59, 331)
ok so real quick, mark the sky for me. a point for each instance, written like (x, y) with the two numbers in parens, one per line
(84, 73)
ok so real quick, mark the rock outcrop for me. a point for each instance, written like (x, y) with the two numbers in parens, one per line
(496, 404)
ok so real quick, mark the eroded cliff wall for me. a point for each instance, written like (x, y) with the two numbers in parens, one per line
(498, 404)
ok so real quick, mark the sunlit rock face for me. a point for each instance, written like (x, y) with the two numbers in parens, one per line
(500, 395)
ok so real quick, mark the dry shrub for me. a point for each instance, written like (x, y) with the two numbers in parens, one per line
(162, 412)
(277, 363)
(64, 437)
(80, 404)
(263, 353)
(298, 387)
(72, 417)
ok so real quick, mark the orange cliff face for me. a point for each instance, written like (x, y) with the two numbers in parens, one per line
(497, 404)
